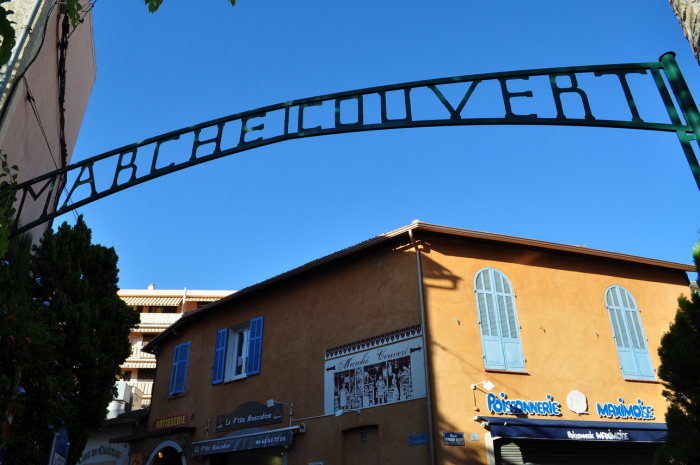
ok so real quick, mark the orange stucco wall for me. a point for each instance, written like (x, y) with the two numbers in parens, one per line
(373, 296)
(565, 331)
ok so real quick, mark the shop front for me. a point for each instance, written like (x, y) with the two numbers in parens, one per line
(252, 446)
(522, 439)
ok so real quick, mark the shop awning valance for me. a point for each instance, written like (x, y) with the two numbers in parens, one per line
(153, 434)
(610, 431)
(252, 438)
(152, 301)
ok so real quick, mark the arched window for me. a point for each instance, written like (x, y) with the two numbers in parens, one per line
(498, 320)
(635, 361)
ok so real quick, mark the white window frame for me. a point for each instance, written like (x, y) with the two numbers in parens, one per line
(232, 355)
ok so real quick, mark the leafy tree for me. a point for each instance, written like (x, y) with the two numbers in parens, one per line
(8, 189)
(63, 335)
(680, 374)
(74, 10)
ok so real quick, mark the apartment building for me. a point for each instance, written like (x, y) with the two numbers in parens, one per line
(159, 308)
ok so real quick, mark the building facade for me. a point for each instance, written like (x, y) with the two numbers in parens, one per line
(44, 92)
(158, 309)
(425, 345)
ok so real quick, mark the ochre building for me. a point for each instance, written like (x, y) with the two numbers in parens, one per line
(425, 345)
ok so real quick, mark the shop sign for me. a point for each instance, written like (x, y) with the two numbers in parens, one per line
(248, 415)
(577, 402)
(635, 411)
(453, 439)
(417, 439)
(380, 375)
(171, 421)
(258, 441)
(598, 435)
(100, 451)
(521, 407)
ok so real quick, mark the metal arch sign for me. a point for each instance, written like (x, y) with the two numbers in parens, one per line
(134, 164)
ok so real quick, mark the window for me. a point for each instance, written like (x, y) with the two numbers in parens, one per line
(498, 320)
(237, 352)
(126, 376)
(179, 373)
(146, 375)
(170, 309)
(632, 350)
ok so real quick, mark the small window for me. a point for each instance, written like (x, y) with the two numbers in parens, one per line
(498, 321)
(179, 373)
(632, 350)
(170, 309)
(237, 352)
(146, 375)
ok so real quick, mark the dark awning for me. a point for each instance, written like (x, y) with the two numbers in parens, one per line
(509, 427)
(153, 434)
(254, 438)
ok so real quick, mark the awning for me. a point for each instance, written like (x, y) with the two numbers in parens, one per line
(204, 299)
(152, 301)
(153, 434)
(252, 438)
(138, 365)
(509, 427)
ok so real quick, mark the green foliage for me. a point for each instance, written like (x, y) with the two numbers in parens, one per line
(63, 335)
(8, 189)
(680, 374)
(7, 32)
(153, 5)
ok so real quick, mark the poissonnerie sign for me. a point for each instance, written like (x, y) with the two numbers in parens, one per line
(119, 169)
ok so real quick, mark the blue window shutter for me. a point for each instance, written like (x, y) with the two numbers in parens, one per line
(173, 374)
(500, 333)
(177, 385)
(254, 346)
(632, 350)
(219, 357)
(512, 346)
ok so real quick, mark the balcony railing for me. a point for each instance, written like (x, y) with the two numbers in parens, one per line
(160, 319)
(137, 353)
(146, 387)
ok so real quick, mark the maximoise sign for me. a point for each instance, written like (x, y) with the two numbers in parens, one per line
(630, 87)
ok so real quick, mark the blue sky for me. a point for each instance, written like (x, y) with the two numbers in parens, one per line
(232, 222)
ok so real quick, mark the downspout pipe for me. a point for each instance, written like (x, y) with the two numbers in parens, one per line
(429, 404)
(23, 35)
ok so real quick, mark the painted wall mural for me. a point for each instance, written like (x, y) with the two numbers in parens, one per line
(384, 370)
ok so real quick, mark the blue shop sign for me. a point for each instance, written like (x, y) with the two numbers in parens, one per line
(521, 407)
(635, 411)
(604, 431)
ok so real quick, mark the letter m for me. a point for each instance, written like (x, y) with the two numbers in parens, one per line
(50, 183)
(603, 410)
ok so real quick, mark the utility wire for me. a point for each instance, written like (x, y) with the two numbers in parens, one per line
(32, 103)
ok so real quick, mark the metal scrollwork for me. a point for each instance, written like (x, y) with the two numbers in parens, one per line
(180, 439)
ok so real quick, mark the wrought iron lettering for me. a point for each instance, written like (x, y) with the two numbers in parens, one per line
(336, 118)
